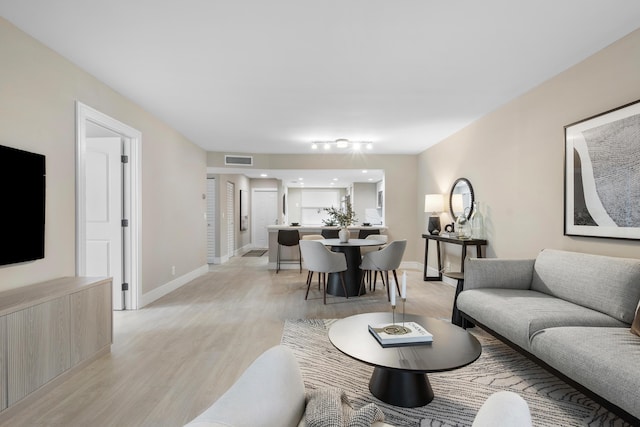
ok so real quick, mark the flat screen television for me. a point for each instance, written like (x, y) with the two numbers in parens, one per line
(22, 209)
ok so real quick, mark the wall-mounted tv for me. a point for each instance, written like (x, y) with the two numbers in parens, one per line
(22, 214)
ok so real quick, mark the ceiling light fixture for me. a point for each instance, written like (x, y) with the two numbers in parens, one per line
(343, 143)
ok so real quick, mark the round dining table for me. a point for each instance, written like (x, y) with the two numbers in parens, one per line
(353, 275)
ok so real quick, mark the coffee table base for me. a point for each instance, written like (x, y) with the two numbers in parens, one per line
(400, 388)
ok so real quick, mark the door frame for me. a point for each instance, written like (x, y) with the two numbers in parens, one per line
(133, 244)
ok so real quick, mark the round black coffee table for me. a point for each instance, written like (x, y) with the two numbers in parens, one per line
(400, 374)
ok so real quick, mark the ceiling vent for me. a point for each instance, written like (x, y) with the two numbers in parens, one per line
(238, 160)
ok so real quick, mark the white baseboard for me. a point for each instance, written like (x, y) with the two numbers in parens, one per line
(176, 283)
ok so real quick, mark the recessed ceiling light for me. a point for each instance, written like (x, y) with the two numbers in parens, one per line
(335, 179)
(264, 175)
(314, 146)
(365, 171)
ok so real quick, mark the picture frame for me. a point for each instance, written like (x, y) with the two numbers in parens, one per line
(244, 210)
(602, 175)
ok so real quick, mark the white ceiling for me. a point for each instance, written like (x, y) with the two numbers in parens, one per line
(271, 76)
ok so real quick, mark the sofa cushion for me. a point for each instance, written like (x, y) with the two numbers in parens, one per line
(607, 284)
(518, 314)
(635, 326)
(605, 360)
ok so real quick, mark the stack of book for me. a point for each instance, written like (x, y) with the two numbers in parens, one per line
(417, 335)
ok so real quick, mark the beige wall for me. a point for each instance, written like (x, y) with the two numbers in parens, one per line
(400, 185)
(514, 157)
(38, 91)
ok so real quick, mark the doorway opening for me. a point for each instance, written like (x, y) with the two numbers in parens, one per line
(108, 228)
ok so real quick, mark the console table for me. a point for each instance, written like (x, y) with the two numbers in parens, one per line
(456, 319)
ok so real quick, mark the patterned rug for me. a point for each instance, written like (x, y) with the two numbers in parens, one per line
(458, 394)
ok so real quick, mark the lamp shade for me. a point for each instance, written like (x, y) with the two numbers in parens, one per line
(433, 203)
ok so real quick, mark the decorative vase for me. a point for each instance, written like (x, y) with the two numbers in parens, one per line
(463, 227)
(477, 222)
(343, 235)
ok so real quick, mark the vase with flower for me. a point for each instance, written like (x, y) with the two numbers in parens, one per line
(343, 218)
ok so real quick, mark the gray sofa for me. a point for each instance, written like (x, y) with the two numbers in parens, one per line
(571, 312)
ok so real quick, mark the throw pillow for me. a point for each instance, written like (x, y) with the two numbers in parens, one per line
(330, 407)
(635, 326)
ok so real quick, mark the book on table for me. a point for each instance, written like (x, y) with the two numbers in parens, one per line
(417, 335)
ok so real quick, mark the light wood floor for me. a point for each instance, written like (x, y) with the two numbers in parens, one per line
(173, 358)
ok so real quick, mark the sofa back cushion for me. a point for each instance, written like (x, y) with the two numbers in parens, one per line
(606, 284)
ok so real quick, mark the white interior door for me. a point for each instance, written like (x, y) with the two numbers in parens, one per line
(264, 212)
(211, 220)
(104, 212)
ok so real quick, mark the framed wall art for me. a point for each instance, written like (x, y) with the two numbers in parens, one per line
(602, 175)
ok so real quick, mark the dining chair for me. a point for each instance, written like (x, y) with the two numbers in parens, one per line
(366, 249)
(288, 238)
(364, 232)
(313, 237)
(329, 233)
(321, 260)
(383, 261)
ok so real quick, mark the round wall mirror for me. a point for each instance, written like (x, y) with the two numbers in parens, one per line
(461, 198)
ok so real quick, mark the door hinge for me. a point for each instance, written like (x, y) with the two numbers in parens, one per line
(124, 159)
(125, 286)
(125, 222)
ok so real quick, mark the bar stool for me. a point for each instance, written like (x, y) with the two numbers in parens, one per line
(289, 238)
(329, 233)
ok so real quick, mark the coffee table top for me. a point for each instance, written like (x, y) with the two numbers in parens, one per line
(452, 346)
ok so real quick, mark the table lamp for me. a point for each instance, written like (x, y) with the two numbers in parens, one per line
(434, 203)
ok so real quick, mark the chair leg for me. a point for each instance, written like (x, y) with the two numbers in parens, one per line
(324, 287)
(309, 276)
(344, 287)
(397, 283)
(300, 258)
(383, 275)
(278, 260)
(364, 273)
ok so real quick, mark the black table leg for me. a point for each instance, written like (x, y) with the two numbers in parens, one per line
(426, 259)
(351, 277)
(401, 388)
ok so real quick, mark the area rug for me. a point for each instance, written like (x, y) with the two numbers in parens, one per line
(256, 252)
(458, 394)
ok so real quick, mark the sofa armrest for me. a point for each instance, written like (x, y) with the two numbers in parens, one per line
(269, 393)
(498, 273)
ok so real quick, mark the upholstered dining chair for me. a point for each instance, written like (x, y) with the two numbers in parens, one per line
(321, 260)
(329, 233)
(365, 232)
(384, 261)
(366, 249)
(313, 237)
(288, 238)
